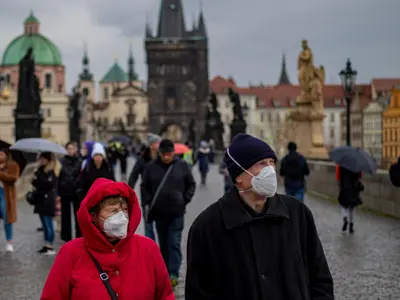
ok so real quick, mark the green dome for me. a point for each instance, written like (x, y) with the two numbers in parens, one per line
(44, 51)
(31, 19)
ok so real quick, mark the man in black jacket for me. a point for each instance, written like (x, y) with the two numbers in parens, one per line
(294, 168)
(67, 185)
(148, 154)
(167, 187)
(253, 243)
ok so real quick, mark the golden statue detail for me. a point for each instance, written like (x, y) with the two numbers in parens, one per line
(311, 80)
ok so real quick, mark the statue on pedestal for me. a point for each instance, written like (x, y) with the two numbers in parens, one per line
(305, 120)
(214, 126)
(238, 123)
(28, 116)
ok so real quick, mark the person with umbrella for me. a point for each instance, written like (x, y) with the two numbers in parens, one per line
(9, 174)
(351, 162)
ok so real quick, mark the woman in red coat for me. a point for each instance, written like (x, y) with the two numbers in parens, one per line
(108, 218)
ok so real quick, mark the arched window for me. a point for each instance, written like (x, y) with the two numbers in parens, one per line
(86, 91)
(47, 81)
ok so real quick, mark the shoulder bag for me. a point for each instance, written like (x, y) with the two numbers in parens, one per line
(104, 278)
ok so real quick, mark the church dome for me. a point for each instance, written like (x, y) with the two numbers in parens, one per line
(44, 51)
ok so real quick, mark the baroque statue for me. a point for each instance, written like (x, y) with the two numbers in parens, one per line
(237, 108)
(214, 126)
(29, 100)
(311, 80)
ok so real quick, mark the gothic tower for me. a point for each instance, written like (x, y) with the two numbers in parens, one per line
(86, 81)
(177, 61)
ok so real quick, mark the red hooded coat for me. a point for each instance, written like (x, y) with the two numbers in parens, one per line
(134, 265)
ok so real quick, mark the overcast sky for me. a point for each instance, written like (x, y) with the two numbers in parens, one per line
(246, 38)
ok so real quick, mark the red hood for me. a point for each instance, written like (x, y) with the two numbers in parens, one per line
(100, 189)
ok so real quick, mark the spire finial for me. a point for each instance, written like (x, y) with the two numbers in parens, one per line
(115, 57)
(284, 78)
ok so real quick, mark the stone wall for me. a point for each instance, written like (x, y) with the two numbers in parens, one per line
(379, 194)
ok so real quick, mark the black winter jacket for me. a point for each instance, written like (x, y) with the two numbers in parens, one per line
(69, 176)
(176, 192)
(45, 183)
(235, 254)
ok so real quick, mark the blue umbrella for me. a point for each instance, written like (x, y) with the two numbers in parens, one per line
(123, 139)
(353, 159)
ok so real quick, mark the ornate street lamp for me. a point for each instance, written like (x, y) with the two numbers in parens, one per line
(348, 77)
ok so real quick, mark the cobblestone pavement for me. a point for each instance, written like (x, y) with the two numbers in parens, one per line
(365, 266)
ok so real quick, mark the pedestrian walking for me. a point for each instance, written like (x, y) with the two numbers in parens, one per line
(203, 161)
(86, 152)
(9, 174)
(97, 167)
(350, 187)
(254, 243)
(45, 182)
(122, 154)
(394, 173)
(223, 170)
(294, 168)
(167, 187)
(148, 154)
(110, 261)
(67, 186)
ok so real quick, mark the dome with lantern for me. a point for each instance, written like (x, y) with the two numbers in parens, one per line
(45, 52)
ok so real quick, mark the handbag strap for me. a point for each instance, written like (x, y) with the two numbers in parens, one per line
(160, 186)
(104, 277)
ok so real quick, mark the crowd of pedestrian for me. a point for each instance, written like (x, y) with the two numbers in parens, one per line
(252, 243)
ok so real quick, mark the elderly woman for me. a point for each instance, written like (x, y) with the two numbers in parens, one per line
(131, 266)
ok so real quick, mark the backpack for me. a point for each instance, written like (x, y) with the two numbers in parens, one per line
(294, 166)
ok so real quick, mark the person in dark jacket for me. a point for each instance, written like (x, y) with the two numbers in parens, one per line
(148, 154)
(122, 154)
(253, 243)
(45, 183)
(67, 186)
(394, 173)
(294, 168)
(97, 167)
(349, 198)
(167, 187)
(203, 160)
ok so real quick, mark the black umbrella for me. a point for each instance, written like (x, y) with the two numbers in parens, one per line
(353, 159)
(16, 155)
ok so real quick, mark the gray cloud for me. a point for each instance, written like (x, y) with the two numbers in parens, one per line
(247, 38)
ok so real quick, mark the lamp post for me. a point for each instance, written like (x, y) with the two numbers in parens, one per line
(348, 77)
(4, 90)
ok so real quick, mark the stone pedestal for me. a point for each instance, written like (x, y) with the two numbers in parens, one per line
(28, 126)
(238, 126)
(306, 129)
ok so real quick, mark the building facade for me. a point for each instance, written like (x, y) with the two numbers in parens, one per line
(391, 129)
(372, 130)
(177, 60)
(51, 74)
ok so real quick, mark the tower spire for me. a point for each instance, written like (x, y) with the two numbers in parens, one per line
(85, 74)
(131, 66)
(148, 30)
(171, 22)
(284, 78)
(202, 24)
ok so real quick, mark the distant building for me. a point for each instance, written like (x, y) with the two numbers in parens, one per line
(391, 129)
(51, 74)
(372, 130)
(359, 102)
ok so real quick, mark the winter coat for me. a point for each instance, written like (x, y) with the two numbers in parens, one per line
(294, 168)
(203, 159)
(90, 174)
(134, 265)
(350, 187)
(69, 176)
(8, 176)
(140, 166)
(176, 192)
(45, 183)
(394, 173)
(234, 253)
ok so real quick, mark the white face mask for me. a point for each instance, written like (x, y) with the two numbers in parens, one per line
(116, 226)
(264, 183)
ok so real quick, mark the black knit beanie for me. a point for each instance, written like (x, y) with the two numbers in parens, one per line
(246, 150)
(166, 146)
